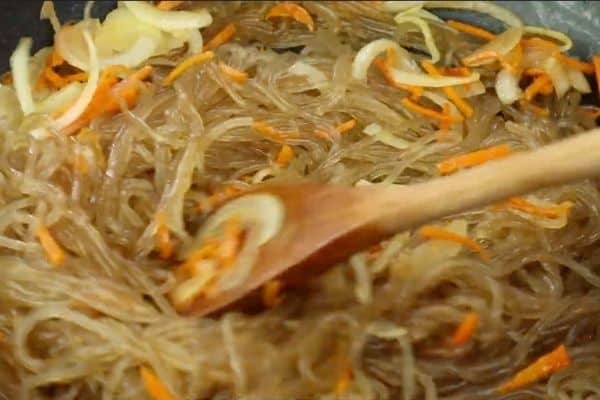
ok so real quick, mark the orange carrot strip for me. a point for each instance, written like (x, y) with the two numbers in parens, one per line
(168, 4)
(186, 64)
(537, 110)
(155, 388)
(346, 126)
(464, 332)
(220, 38)
(471, 30)
(230, 245)
(596, 61)
(439, 116)
(106, 97)
(384, 67)
(455, 71)
(56, 255)
(234, 74)
(445, 124)
(586, 68)
(344, 379)
(534, 72)
(471, 159)
(285, 155)
(541, 368)
(553, 212)
(536, 86)
(272, 133)
(450, 92)
(433, 232)
(163, 237)
(294, 11)
(7, 78)
(271, 293)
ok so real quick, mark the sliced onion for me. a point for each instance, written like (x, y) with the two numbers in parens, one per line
(434, 251)
(558, 75)
(425, 30)
(70, 43)
(88, 91)
(367, 54)
(312, 74)
(87, 10)
(60, 99)
(578, 80)
(566, 41)
(502, 44)
(169, 20)
(422, 80)
(484, 7)
(195, 40)
(19, 65)
(261, 215)
(143, 49)
(395, 6)
(470, 90)
(507, 87)
(375, 130)
(47, 12)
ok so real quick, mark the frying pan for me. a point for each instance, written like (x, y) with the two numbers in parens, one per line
(578, 19)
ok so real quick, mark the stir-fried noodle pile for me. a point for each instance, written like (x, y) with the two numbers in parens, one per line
(120, 140)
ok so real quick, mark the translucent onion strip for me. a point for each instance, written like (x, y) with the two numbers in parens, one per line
(169, 20)
(566, 41)
(88, 91)
(425, 30)
(19, 64)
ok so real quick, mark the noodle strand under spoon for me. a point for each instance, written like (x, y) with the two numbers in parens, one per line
(325, 224)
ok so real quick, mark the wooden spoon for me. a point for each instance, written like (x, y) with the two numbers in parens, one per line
(325, 224)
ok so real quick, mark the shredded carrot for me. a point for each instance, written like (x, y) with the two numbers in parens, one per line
(220, 38)
(231, 243)
(445, 124)
(534, 72)
(285, 156)
(541, 368)
(294, 11)
(218, 198)
(553, 212)
(596, 61)
(344, 378)
(384, 68)
(450, 92)
(436, 115)
(536, 86)
(571, 62)
(56, 255)
(464, 332)
(434, 232)
(272, 133)
(234, 74)
(471, 159)
(168, 4)
(346, 126)
(271, 293)
(455, 71)
(155, 388)
(471, 30)
(537, 110)
(106, 99)
(187, 64)
(163, 236)
(208, 250)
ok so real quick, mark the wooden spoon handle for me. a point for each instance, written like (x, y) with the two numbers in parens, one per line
(569, 160)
